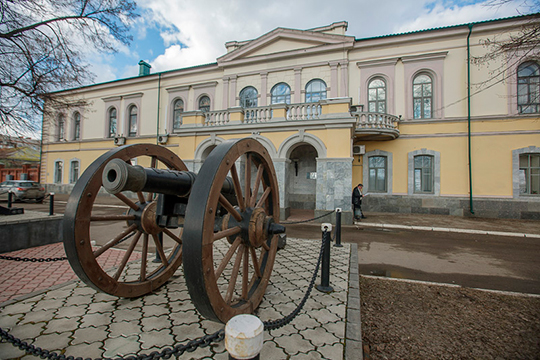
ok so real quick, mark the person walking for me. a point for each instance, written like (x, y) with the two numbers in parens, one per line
(357, 196)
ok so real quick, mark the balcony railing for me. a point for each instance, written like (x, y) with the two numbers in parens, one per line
(376, 124)
(216, 118)
(258, 114)
(309, 111)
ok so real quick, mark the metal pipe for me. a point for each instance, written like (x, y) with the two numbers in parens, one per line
(158, 95)
(51, 203)
(325, 266)
(338, 228)
(469, 117)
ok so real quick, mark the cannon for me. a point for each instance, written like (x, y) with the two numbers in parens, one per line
(222, 224)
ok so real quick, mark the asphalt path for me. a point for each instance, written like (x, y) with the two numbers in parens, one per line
(470, 260)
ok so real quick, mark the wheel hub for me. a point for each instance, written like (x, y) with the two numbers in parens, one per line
(145, 218)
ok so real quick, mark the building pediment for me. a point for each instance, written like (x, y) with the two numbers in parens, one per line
(282, 43)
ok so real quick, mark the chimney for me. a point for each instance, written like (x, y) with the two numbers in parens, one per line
(144, 68)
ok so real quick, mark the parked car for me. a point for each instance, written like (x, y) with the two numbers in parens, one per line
(22, 190)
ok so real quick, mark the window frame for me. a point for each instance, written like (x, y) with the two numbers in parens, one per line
(529, 174)
(243, 99)
(61, 128)
(58, 172)
(133, 118)
(436, 172)
(516, 154)
(528, 84)
(425, 175)
(310, 93)
(422, 97)
(178, 112)
(373, 187)
(72, 180)
(275, 98)
(76, 125)
(109, 119)
(377, 101)
(201, 106)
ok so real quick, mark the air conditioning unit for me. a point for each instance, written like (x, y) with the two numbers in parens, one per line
(119, 140)
(162, 139)
(359, 149)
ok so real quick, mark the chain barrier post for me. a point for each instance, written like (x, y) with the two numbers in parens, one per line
(9, 199)
(325, 267)
(244, 335)
(51, 204)
(337, 232)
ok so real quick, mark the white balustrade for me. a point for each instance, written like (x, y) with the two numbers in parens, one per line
(308, 111)
(372, 120)
(216, 118)
(258, 114)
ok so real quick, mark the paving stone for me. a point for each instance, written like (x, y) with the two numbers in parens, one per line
(324, 316)
(92, 350)
(7, 322)
(27, 331)
(89, 335)
(127, 314)
(271, 351)
(185, 333)
(338, 310)
(18, 308)
(76, 300)
(155, 322)
(125, 328)
(184, 317)
(309, 356)
(211, 327)
(319, 336)
(293, 343)
(99, 296)
(179, 306)
(121, 346)
(155, 300)
(71, 312)
(332, 352)
(37, 316)
(96, 320)
(124, 303)
(162, 338)
(283, 331)
(8, 351)
(100, 307)
(337, 328)
(154, 310)
(53, 342)
(266, 314)
(303, 322)
(179, 296)
(352, 349)
(56, 325)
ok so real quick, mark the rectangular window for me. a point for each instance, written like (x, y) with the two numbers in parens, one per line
(74, 173)
(377, 173)
(58, 172)
(423, 174)
(529, 174)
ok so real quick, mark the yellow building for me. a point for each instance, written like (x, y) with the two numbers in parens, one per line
(391, 112)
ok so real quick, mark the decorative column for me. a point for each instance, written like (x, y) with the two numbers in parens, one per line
(225, 104)
(297, 85)
(281, 166)
(232, 91)
(333, 79)
(264, 80)
(334, 187)
(344, 86)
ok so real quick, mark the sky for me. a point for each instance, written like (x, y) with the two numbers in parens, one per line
(173, 34)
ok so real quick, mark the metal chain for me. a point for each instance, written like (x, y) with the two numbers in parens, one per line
(305, 221)
(276, 324)
(14, 258)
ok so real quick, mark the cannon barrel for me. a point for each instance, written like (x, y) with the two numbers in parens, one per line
(120, 176)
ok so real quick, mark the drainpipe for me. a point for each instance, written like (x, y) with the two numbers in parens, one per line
(40, 169)
(158, 95)
(469, 116)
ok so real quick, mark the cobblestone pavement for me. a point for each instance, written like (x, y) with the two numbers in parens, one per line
(19, 278)
(76, 320)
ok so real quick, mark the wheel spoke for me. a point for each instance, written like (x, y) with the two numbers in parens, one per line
(264, 197)
(159, 249)
(114, 241)
(245, 274)
(229, 232)
(153, 164)
(228, 206)
(227, 257)
(141, 197)
(127, 201)
(260, 170)
(127, 255)
(144, 257)
(247, 182)
(237, 188)
(111, 217)
(256, 265)
(265, 246)
(234, 275)
(173, 236)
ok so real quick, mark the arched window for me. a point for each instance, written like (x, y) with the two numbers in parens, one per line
(132, 121)
(112, 122)
(315, 91)
(528, 88)
(422, 97)
(61, 128)
(423, 174)
(248, 97)
(281, 93)
(76, 125)
(204, 103)
(177, 113)
(377, 96)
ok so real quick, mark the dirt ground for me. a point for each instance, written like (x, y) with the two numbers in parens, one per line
(404, 320)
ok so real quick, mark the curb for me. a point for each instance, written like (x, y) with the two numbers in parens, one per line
(440, 229)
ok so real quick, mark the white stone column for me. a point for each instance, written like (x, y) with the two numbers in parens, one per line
(264, 90)
(225, 104)
(232, 91)
(281, 166)
(333, 79)
(297, 85)
(344, 86)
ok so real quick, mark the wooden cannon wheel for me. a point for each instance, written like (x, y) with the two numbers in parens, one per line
(230, 246)
(138, 220)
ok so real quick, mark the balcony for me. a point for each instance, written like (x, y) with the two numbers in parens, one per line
(375, 126)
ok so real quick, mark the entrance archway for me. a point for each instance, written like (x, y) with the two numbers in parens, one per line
(301, 185)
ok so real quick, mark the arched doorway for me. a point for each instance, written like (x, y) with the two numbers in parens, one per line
(301, 186)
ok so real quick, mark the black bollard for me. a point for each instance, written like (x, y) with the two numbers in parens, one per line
(325, 267)
(338, 228)
(9, 199)
(51, 204)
